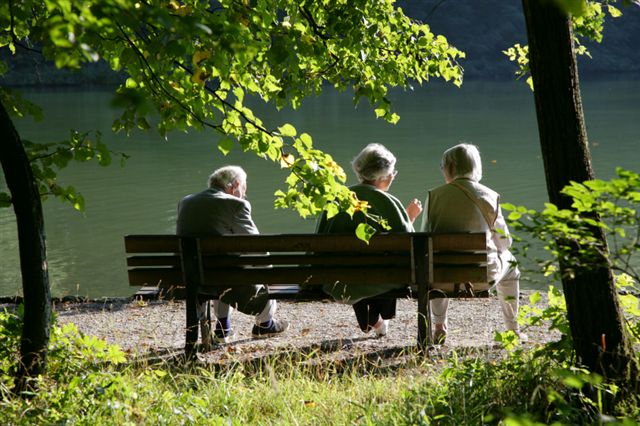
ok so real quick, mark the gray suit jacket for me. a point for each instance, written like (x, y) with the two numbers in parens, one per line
(214, 212)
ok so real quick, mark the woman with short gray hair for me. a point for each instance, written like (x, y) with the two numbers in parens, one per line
(375, 168)
(463, 204)
(373, 162)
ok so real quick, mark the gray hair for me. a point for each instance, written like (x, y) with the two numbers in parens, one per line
(225, 176)
(462, 161)
(373, 162)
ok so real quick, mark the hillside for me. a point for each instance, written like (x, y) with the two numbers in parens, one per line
(484, 28)
(481, 28)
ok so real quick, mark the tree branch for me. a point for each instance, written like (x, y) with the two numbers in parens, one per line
(154, 78)
(224, 101)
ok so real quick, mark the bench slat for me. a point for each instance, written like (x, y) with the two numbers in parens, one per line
(173, 260)
(460, 274)
(296, 275)
(308, 274)
(459, 258)
(459, 242)
(153, 276)
(333, 243)
(152, 244)
(353, 261)
(166, 260)
(327, 242)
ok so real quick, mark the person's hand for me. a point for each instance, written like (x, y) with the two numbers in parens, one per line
(414, 208)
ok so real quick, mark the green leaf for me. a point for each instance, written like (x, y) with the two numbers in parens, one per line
(287, 130)
(364, 231)
(513, 216)
(225, 145)
(535, 297)
(332, 210)
(614, 11)
(77, 201)
(306, 140)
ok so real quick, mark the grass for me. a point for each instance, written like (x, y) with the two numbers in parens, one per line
(91, 382)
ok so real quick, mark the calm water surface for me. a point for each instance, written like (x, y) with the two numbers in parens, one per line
(86, 254)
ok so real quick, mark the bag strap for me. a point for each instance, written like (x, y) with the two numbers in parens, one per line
(490, 221)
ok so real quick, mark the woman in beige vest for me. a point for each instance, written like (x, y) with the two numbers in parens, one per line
(465, 205)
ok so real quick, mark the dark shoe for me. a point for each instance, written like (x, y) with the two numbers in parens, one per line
(276, 327)
(439, 337)
(221, 336)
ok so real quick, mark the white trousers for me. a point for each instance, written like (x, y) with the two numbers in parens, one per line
(507, 280)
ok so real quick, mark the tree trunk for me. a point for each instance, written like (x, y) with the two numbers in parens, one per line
(33, 258)
(597, 325)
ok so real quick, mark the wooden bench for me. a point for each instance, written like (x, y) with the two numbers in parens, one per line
(296, 266)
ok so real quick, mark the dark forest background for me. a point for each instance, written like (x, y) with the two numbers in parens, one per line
(481, 28)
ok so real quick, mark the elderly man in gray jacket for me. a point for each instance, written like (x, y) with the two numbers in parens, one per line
(218, 210)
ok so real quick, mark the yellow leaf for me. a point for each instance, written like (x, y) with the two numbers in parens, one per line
(200, 76)
(200, 56)
(286, 161)
(361, 205)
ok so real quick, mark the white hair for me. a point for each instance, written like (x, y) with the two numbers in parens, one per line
(462, 161)
(373, 162)
(225, 176)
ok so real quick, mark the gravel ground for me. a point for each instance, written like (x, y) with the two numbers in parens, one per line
(145, 328)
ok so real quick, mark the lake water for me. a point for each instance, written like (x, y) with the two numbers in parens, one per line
(86, 253)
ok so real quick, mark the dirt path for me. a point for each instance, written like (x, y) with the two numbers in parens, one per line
(158, 327)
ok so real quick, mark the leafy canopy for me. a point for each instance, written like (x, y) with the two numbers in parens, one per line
(195, 64)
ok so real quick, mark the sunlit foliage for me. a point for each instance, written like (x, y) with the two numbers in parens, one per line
(199, 64)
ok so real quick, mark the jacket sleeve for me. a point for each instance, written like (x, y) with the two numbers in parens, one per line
(425, 215)
(501, 236)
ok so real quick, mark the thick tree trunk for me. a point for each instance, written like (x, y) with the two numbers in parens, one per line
(596, 321)
(33, 259)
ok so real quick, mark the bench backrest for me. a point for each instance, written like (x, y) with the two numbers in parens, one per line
(159, 260)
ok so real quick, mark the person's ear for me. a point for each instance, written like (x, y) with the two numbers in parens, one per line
(231, 188)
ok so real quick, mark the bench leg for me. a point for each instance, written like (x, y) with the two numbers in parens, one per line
(192, 328)
(191, 269)
(424, 319)
(423, 269)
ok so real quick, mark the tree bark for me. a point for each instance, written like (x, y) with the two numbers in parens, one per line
(597, 325)
(33, 259)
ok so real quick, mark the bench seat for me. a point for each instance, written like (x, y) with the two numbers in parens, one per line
(295, 266)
